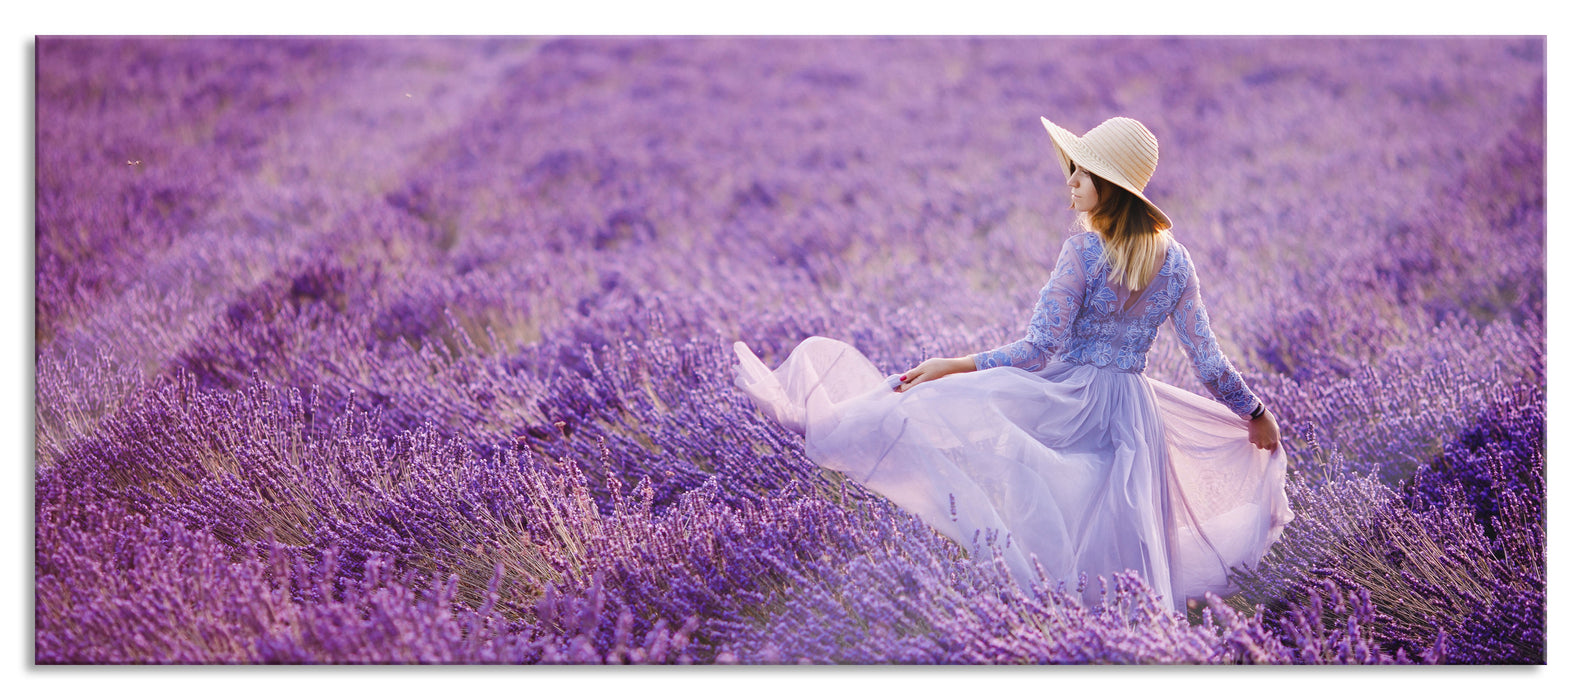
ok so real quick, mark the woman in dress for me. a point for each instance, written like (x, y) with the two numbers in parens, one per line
(1055, 448)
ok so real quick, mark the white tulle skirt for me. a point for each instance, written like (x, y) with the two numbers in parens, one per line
(1085, 469)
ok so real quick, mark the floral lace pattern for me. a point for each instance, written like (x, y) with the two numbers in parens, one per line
(1080, 319)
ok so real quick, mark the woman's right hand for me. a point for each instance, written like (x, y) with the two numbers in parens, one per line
(1263, 431)
(934, 368)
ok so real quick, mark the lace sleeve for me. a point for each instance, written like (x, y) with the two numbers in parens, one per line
(1058, 303)
(1197, 340)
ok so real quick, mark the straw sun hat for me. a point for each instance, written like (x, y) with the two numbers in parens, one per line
(1121, 150)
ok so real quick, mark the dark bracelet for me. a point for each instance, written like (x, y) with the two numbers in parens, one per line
(1256, 412)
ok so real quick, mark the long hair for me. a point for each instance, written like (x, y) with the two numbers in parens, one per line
(1133, 237)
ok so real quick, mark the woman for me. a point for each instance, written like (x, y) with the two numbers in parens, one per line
(1055, 447)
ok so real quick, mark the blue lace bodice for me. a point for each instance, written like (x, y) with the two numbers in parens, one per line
(1080, 319)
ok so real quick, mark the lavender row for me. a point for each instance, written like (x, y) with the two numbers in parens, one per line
(791, 579)
(284, 468)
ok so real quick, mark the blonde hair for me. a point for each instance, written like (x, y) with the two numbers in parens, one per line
(1133, 237)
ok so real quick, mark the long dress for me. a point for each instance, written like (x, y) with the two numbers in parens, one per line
(1057, 448)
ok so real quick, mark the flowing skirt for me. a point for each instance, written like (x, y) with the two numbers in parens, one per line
(1081, 468)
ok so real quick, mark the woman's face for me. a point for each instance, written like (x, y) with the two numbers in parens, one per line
(1084, 196)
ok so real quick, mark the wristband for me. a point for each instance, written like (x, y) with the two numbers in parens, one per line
(1256, 412)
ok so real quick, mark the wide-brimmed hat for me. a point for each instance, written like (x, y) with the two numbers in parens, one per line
(1121, 150)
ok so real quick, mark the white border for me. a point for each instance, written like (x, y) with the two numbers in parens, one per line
(814, 17)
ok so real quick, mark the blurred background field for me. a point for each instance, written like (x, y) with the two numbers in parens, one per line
(415, 350)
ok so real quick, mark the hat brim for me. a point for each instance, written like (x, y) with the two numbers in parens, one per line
(1072, 153)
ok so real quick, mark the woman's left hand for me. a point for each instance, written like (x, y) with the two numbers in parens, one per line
(1263, 431)
(934, 368)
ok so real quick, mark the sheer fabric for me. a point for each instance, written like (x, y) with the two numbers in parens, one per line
(1080, 312)
(1058, 448)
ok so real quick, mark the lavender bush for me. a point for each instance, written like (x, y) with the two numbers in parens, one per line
(417, 350)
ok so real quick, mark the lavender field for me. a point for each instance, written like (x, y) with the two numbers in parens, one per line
(418, 350)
